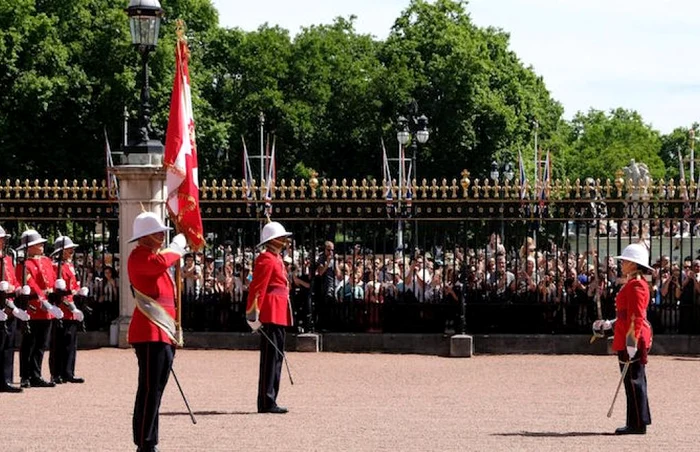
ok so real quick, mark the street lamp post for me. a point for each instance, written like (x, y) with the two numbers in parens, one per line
(414, 131)
(144, 22)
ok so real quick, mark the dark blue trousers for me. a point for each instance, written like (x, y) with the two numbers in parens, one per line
(155, 361)
(270, 365)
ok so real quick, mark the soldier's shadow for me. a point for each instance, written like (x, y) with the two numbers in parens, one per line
(554, 434)
(208, 413)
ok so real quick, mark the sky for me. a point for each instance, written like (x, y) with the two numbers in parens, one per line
(602, 54)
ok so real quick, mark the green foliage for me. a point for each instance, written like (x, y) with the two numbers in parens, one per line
(603, 143)
(329, 95)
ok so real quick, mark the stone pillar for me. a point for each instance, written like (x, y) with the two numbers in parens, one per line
(141, 183)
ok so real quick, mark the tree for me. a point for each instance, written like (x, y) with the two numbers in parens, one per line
(673, 143)
(481, 100)
(603, 143)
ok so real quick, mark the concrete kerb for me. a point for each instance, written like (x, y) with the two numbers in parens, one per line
(422, 344)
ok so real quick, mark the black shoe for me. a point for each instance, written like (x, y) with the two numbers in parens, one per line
(73, 380)
(10, 388)
(41, 383)
(274, 410)
(25, 384)
(57, 380)
(631, 430)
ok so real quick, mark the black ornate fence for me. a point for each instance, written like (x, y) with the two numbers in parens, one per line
(461, 256)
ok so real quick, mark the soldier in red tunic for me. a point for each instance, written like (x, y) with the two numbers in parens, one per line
(632, 336)
(269, 309)
(9, 316)
(64, 340)
(152, 329)
(38, 279)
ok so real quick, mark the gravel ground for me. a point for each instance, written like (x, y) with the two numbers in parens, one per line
(362, 402)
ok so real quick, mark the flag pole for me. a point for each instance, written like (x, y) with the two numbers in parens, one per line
(178, 267)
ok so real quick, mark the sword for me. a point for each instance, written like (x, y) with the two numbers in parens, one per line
(284, 356)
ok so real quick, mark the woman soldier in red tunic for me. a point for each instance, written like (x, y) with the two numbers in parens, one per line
(268, 309)
(632, 336)
(152, 330)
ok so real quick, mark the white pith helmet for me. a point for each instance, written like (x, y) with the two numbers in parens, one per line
(62, 242)
(30, 238)
(272, 230)
(637, 253)
(147, 223)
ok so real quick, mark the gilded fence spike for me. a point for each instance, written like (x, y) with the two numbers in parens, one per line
(103, 190)
(292, 189)
(363, 188)
(324, 188)
(433, 188)
(283, 189)
(464, 182)
(214, 189)
(93, 189)
(302, 189)
(443, 188)
(373, 188)
(313, 183)
(475, 189)
(334, 189)
(671, 189)
(224, 189)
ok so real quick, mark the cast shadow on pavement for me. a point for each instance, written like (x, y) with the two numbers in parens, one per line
(209, 413)
(555, 434)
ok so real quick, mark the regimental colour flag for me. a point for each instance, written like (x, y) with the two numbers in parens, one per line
(180, 160)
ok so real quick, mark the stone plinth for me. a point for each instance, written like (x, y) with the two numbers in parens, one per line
(141, 186)
(461, 346)
(308, 342)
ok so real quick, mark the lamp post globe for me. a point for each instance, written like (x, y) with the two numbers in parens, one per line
(494, 171)
(402, 133)
(422, 133)
(144, 23)
(508, 172)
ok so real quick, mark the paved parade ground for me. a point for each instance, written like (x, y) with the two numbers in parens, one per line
(362, 402)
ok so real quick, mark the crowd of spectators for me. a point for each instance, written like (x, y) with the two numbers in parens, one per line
(558, 288)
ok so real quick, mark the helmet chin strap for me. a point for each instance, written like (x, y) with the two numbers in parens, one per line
(277, 244)
(152, 241)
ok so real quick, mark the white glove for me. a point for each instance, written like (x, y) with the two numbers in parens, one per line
(4, 286)
(3, 316)
(56, 312)
(60, 284)
(254, 325)
(20, 314)
(598, 325)
(26, 290)
(178, 243)
(83, 291)
(78, 315)
(631, 351)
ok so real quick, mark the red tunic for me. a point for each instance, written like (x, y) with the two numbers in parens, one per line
(148, 273)
(270, 288)
(72, 286)
(40, 279)
(631, 306)
(9, 276)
